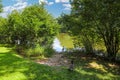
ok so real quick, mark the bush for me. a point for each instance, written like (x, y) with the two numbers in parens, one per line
(35, 52)
(39, 52)
(19, 50)
(49, 52)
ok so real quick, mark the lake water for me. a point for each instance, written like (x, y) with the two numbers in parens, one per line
(56, 45)
(61, 40)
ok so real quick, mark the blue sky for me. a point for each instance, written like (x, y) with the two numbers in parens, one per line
(54, 7)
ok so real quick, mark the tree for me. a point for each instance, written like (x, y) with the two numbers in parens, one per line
(33, 25)
(41, 26)
(3, 31)
(14, 27)
(1, 22)
(104, 16)
(64, 21)
(1, 6)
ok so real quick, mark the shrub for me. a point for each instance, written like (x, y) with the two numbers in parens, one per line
(35, 52)
(19, 50)
(49, 52)
(39, 51)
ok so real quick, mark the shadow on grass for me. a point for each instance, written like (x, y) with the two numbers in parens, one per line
(42, 72)
(10, 63)
(99, 69)
(13, 67)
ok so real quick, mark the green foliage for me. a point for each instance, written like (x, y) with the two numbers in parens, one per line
(83, 34)
(41, 26)
(3, 30)
(34, 25)
(64, 21)
(49, 52)
(14, 27)
(39, 52)
(1, 6)
(35, 52)
(97, 19)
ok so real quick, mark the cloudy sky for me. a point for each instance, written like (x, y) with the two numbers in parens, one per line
(54, 7)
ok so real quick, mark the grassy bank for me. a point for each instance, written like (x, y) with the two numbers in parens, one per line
(14, 67)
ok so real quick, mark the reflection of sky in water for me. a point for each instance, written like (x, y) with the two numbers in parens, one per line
(56, 45)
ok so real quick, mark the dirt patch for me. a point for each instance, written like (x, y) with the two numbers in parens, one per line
(55, 60)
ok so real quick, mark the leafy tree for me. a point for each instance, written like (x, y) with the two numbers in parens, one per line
(104, 16)
(1, 22)
(14, 27)
(64, 21)
(79, 30)
(3, 31)
(33, 25)
(1, 6)
(40, 25)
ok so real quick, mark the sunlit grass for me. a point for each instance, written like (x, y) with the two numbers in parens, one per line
(4, 49)
(13, 67)
(97, 66)
(97, 69)
(14, 76)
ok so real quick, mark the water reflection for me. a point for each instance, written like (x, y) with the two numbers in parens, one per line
(56, 45)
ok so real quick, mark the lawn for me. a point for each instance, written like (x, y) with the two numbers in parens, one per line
(14, 67)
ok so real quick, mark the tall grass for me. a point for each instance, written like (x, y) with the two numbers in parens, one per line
(39, 52)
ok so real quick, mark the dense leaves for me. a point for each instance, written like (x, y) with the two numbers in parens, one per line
(3, 33)
(92, 21)
(33, 24)
(104, 16)
(1, 6)
(28, 28)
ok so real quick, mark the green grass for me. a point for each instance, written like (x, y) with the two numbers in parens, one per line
(14, 67)
(65, 40)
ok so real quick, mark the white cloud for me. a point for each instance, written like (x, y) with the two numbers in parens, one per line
(43, 1)
(46, 2)
(57, 1)
(50, 3)
(63, 1)
(21, 4)
(67, 6)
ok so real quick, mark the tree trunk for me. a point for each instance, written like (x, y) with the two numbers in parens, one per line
(88, 45)
(112, 44)
(111, 53)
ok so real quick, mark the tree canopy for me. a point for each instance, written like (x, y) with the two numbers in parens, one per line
(95, 19)
(1, 6)
(104, 16)
(34, 24)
